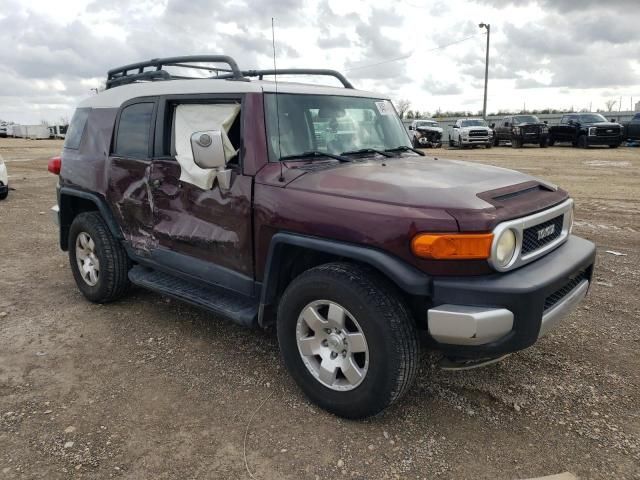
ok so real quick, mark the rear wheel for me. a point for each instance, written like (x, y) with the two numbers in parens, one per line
(99, 263)
(614, 146)
(583, 142)
(347, 339)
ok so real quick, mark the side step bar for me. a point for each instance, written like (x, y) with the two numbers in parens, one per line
(237, 308)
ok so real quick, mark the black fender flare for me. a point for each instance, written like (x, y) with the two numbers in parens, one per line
(66, 214)
(407, 277)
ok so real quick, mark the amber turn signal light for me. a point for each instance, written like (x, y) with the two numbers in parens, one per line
(452, 246)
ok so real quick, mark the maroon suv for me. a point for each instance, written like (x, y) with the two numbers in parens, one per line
(305, 207)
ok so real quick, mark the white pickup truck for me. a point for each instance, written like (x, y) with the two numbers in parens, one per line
(469, 132)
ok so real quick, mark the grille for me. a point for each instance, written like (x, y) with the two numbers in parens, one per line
(607, 131)
(530, 240)
(559, 294)
(478, 133)
(530, 129)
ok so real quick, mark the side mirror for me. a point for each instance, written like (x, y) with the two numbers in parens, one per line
(570, 122)
(613, 120)
(456, 126)
(545, 122)
(410, 127)
(493, 125)
(208, 149)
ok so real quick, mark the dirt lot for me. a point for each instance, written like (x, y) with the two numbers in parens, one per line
(151, 388)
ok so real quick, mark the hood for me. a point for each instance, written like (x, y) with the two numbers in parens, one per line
(531, 124)
(475, 128)
(602, 124)
(429, 129)
(414, 181)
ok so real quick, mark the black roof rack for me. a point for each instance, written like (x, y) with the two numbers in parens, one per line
(296, 71)
(136, 71)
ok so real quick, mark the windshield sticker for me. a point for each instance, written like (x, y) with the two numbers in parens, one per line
(384, 107)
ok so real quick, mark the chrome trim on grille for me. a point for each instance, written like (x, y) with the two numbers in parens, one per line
(520, 224)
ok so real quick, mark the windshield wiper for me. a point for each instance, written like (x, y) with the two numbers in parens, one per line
(314, 154)
(404, 148)
(367, 150)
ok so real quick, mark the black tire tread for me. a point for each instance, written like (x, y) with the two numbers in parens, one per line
(114, 271)
(383, 296)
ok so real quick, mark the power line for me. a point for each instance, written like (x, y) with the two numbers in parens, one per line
(404, 57)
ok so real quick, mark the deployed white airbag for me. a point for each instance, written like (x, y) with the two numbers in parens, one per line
(197, 118)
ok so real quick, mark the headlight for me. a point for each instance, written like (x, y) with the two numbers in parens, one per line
(592, 131)
(505, 248)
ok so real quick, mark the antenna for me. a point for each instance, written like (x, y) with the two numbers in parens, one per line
(275, 74)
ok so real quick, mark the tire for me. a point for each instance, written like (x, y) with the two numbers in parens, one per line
(488, 145)
(551, 142)
(543, 144)
(388, 367)
(515, 143)
(582, 142)
(610, 146)
(415, 143)
(496, 141)
(4, 195)
(112, 266)
(450, 142)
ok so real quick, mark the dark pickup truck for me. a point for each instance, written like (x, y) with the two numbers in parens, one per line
(521, 130)
(586, 129)
(307, 209)
(632, 128)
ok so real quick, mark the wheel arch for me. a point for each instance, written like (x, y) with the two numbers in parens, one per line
(72, 202)
(291, 254)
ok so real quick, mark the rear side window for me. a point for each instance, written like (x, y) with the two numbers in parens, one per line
(76, 128)
(134, 128)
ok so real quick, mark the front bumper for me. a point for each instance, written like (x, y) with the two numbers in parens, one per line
(476, 141)
(531, 138)
(602, 140)
(487, 316)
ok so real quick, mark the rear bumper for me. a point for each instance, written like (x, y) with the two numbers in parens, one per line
(492, 315)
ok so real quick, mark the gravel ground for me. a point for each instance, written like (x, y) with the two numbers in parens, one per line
(152, 388)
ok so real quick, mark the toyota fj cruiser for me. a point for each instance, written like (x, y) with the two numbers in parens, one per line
(586, 129)
(305, 207)
(521, 130)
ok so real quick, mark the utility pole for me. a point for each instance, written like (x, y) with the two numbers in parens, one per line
(486, 69)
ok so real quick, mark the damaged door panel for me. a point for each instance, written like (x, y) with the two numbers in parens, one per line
(212, 224)
(130, 164)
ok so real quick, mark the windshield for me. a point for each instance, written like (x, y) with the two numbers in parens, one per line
(426, 124)
(592, 118)
(474, 123)
(332, 124)
(525, 119)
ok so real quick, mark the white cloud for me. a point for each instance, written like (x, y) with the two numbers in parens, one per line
(546, 53)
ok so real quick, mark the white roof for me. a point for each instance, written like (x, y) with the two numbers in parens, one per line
(116, 96)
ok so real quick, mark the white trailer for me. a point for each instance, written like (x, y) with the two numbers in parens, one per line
(34, 132)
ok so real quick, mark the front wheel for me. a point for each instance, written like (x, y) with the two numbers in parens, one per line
(551, 141)
(583, 142)
(347, 339)
(99, 263)
(614, 146)
(516, 143)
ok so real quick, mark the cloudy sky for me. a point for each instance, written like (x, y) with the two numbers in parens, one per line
(544, 53)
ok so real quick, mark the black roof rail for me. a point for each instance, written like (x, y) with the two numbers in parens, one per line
(295, 71)
(136, 71)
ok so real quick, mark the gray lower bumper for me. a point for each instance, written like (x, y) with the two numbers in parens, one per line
(55, 214)
(469, 325)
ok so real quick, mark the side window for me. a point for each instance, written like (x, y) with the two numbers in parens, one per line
(133, 136)
(637, 116)
(76, 128)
